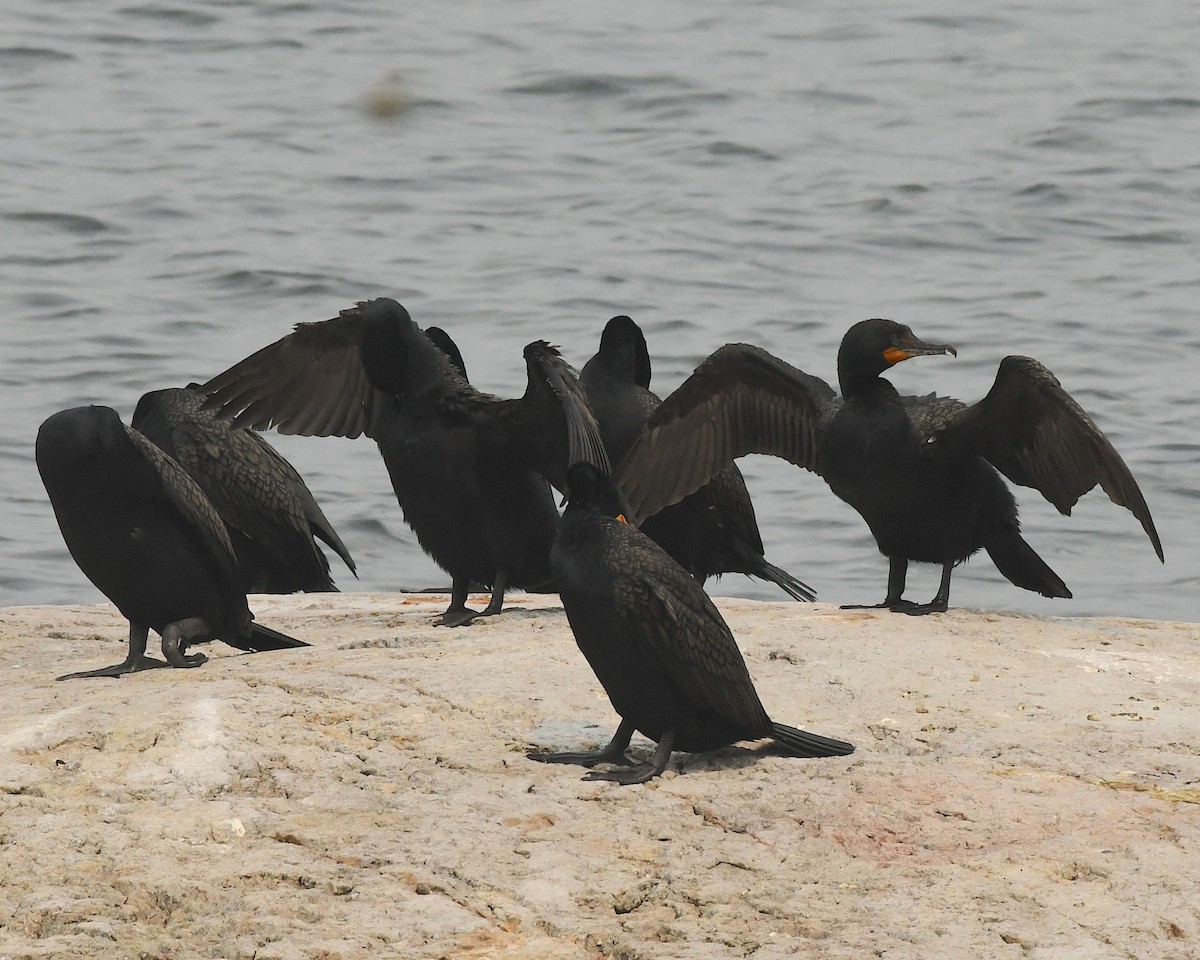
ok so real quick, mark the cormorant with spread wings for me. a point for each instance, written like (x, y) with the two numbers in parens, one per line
(469, 470)
(924, 472)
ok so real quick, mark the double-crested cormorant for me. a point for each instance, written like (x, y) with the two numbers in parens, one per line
(709, 532)
(922, 471)
(467, 468)
(271, 515)
(144, 533)
(660, 649)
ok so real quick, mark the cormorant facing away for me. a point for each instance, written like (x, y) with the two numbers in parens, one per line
(271, 515)
(467, 468)
(144, 533)
(922, 471)
(709, 532)
(658, 646)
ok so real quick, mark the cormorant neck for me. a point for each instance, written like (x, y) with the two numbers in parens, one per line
(859, 382)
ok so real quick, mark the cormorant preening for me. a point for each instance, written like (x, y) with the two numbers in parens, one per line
(144, 533)
(660, 649)
(467, 467)
(271, 515)
(709, 532)
(922, 471)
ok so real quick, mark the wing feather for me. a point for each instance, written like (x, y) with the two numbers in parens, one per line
(678, 628)
(311, 382)
(740, 400)
(1035, 433)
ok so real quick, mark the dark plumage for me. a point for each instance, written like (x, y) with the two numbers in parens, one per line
(662, 652)
(469, 470)
(271, 515)
(709, 532)
(444, 342)
(922, 471)
(144, 533)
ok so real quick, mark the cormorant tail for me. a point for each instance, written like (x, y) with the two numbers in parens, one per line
(1017, 560)
(264, 638)
(801, 743)
(759, 566)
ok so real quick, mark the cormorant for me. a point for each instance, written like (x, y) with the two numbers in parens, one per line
(144, 533)
(922, 471)
(444, 342)
(658, 646)
(270, 513)
(709, 532)
(467, 468)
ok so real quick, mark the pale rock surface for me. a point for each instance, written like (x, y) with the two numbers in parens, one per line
(1023, 787)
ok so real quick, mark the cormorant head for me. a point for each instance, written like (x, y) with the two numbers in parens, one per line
(395, 352)
(871, 346)
(70, 437)
(590, 487)
(623, 345)
(89, 447)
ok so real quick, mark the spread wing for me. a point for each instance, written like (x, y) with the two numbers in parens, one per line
(740, 400)
(311, 382)
(1034, 433)
(677, 627)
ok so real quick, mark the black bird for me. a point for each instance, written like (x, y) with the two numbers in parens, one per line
(659, 647)
(270, 513)
(709, 532)
(144, 533)
(469, 470)
(443, 341)
(922, 471)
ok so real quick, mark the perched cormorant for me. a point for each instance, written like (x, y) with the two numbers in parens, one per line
(144, 533)
(467, 468)
(709, 532)
(659, 647)
(922, 471)
(271, 515)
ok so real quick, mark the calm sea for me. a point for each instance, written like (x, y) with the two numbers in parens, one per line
(182, 182)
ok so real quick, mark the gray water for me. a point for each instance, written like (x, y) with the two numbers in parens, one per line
(183, 182)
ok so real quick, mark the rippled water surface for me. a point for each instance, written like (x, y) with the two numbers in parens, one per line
(183, 183)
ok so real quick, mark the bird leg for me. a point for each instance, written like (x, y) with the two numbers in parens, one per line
(135, 661)
(177, 635)
(497, 599)
(640, 772)
(613, 753)
(940, 601)
(897, 575)
(458, 614)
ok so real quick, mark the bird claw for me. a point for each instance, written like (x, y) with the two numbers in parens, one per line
(635, 773)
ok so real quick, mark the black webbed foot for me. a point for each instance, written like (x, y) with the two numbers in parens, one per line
(176, 637)
(457, 618)
(614, 752)
(640, 772)
(896, 606)
(635, 773)
(921, 609)
(587, 759)
(129, 665)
